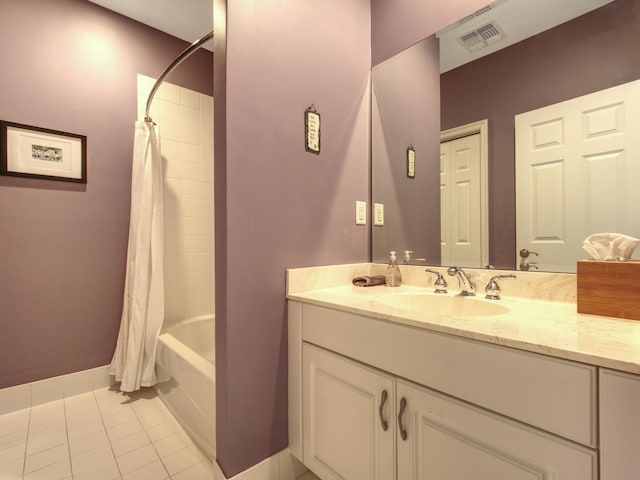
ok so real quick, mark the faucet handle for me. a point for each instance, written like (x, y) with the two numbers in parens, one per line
(492, 289)
(440, 283)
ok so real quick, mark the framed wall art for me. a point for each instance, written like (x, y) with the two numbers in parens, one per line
(27, 151)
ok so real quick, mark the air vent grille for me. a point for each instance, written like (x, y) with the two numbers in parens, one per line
(482, 36)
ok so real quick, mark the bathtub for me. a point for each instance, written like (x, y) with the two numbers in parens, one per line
(186, 378)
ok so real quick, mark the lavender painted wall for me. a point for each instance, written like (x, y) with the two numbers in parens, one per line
(405, 110)
(398, 24)
(593, 52)
(70, 65)
(278, 206)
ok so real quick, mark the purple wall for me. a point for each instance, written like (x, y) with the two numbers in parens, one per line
(398, 24)
(63, 246)
(278, 206)
(406, 110)
(593, 52)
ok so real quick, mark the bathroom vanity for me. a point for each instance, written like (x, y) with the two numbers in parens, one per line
(381, 387)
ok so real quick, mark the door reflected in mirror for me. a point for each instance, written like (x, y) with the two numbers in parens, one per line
(563, 59)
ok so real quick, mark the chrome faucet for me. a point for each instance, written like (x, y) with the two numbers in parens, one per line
(493, 289)
(466, 284)
(440, 283)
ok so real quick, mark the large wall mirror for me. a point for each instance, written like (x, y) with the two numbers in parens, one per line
(468, 105)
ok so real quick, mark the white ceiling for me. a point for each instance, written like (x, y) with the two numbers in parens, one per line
(518, 19)
(188, 20)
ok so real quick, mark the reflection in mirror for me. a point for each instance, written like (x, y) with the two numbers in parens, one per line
(592, 52)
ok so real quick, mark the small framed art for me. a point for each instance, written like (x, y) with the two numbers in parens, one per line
(27, 151)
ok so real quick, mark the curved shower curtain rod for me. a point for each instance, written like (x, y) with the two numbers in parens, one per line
(179, 59)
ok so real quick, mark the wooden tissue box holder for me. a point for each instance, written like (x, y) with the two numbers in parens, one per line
(609, 288)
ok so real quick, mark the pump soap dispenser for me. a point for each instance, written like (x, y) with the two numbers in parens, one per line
(392, 276)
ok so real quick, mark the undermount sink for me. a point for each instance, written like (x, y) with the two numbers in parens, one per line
(443, 304)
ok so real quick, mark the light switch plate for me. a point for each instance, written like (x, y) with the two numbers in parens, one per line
(361, 213)
(378, 214)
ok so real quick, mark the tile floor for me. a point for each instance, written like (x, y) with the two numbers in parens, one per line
(101, 435)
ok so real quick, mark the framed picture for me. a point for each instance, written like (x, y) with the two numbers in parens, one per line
(27, 151)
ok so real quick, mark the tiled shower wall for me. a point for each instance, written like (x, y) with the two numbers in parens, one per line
(185, 121)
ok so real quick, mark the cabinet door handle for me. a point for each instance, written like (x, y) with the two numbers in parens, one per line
(383, 400)
(403, 405)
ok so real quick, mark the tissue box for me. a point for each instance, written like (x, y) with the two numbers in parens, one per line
(609, 288)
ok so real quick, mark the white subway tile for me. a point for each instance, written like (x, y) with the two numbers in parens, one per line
(206, 155)
(164, 110)
(207, 173)
(198, 262)
(171, 149)
(196, 225)
(190, 153)
(168, 91)
(191, 134)
(197, 244)
(199, 302)
(192, 189)
(169, 130)
(172, 168)
(190, 98)
(206, 102)
(192, 171)
(196, 208)
(190, 116)
(198, 280)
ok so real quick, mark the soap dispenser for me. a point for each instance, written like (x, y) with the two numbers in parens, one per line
(392, 276)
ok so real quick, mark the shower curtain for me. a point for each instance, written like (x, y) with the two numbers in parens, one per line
(133, 363)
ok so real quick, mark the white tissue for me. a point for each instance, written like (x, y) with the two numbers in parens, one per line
(610, 246)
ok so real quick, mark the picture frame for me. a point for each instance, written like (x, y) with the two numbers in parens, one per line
(35, 152)
(312, 130)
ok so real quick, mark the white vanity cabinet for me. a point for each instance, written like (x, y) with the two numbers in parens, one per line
(348, 418)
(619, 425)
(450, 440)
(471, 410)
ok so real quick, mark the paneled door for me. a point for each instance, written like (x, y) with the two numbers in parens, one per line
(577, 173)
(348, 417)
(460, 202)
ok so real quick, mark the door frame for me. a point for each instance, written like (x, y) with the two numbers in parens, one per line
(480, 127)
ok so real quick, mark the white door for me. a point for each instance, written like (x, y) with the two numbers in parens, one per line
(451, 440)
(460, 202)
(577, 173)
(345, 406)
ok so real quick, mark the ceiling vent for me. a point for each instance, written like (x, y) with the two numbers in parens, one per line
(482, 36)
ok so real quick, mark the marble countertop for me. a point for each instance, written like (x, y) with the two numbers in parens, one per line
(547, 327)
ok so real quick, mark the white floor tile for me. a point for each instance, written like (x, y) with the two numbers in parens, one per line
(180, 460)
(11, 470)
(13, 439)
(104, 471)
(40, 442)
(84, 429)
(130, 443)
(89, 442)
(45, 458)
(201, 471)
(172, 444)
(57, 471)
(137, 458)
(124, 430)
(101, 435)
(152, 471)
(91, 458)
(12, 453)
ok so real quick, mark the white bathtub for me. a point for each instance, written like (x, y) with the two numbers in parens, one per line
(186, 378)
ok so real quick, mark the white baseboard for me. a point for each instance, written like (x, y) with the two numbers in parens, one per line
(281, 466)
(55, 388)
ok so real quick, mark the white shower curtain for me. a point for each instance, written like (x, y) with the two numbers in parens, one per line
(133, 362)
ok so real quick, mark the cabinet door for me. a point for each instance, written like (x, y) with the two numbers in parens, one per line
(619, 425)
(344, 437)
(451, 440)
